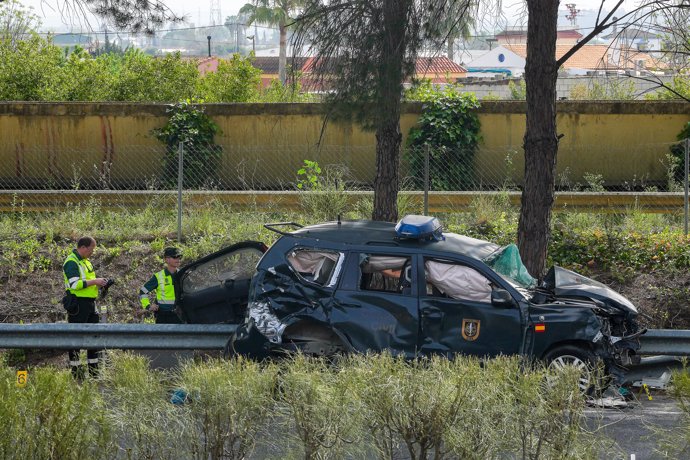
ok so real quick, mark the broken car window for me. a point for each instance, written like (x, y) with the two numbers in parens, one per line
(385, 273)
(236, 265)
(446, 279)
(320, 267)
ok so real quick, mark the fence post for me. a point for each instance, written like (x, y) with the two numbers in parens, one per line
(685, 181)
(426, 179)
(180, 175)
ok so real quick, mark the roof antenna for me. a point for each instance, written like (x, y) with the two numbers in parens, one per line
(339, 220)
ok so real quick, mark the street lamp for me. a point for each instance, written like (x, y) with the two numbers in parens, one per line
(251, 37)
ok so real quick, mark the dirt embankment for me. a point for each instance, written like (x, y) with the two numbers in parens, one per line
(35, 297)
(662, 297)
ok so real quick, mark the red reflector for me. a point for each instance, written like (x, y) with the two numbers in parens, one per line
(540, 328)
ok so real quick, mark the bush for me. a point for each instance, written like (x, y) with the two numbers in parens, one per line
(230, 402)
(448, 131)
(191, 127)
(678, 153)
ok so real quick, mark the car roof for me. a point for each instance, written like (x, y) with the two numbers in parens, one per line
(371, 233)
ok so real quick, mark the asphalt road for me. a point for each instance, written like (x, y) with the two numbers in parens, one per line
(636, 428)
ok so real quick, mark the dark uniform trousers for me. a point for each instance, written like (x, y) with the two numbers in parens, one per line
(85, 314)
(166, 317)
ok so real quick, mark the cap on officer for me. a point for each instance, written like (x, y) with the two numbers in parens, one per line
(172, 252)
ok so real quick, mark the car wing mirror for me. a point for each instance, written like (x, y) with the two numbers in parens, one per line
(502, 298)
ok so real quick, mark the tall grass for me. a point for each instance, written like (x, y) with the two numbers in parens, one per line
(374, 406)
(230, 403)
(52, 418)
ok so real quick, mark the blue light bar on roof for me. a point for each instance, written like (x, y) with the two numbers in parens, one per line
(420, 228)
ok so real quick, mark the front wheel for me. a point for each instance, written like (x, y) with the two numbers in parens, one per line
(581, 358)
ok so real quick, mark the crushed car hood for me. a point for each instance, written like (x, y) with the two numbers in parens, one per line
(566, 283)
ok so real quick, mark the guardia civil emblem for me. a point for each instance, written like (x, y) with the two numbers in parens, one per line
(470, 329)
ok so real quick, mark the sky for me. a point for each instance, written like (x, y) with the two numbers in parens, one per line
(199, 12)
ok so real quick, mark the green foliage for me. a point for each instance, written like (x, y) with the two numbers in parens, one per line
(679, 88)
(309, 176)
(235, 80)
(323, 197)
(320, 406)
(142, 78)
(518, 92)
(674, 442)
(191, 127)
(28, 69)
(449, 131)
(34, 69)
(277, 92)
(613, 89)
(83, 78)
(678, 155)
(51, 417)
(230, 403)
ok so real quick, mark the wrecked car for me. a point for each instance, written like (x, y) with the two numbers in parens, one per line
(410, 289)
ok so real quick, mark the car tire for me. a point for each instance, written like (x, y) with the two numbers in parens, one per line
(582, 358)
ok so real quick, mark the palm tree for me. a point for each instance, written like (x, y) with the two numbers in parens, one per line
(459, 23)
(274, 13)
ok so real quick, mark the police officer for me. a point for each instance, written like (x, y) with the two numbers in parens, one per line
(164, 306)
(82, 286)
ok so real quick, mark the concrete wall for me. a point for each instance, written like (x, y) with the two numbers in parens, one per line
(498, 88)
(42, 141)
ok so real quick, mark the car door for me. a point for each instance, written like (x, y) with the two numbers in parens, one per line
(214, 289)
(457, 313)
(376, 304)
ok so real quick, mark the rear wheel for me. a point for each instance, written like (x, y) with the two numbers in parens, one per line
(314, 340)
(580, 358)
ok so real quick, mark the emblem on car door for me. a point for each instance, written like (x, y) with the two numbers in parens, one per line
(470, 329)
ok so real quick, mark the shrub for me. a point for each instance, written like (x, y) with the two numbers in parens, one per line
(448, 131)
(191, 127)
(229, 403)
(678, 153)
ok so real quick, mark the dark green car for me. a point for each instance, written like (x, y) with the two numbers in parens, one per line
(360, 286)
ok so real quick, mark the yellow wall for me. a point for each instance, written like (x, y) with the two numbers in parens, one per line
(40, 141)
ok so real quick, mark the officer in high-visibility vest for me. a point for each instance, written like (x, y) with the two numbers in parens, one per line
(163, 307)
(81, 287)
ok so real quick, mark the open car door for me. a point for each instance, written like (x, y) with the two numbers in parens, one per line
(214, 289)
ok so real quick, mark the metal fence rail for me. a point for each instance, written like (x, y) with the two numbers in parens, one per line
(669, 342)
(116, 336)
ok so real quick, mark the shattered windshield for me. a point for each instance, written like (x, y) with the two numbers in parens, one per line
(506, 262)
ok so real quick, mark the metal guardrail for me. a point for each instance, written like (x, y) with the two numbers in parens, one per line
(116, 336)
(668, 342)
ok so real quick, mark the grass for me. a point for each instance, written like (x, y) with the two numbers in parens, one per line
(358, 407)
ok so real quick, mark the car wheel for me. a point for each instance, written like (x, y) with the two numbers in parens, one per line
(581, 358)
(313, 340)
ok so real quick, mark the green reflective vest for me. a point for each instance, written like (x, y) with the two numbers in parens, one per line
(165, 292)
(78, 286)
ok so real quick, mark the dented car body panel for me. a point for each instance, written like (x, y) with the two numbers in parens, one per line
(359, 287)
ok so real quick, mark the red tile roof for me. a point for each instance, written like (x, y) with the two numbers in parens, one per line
(594, 57)
(437, 65)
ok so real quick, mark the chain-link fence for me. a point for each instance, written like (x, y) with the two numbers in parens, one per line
(650, 175)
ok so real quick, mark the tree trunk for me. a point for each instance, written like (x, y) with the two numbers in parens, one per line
(541, 140)
(282, 53)
(451, 47)
(388, 137)
(387, 182)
